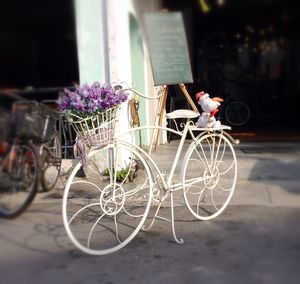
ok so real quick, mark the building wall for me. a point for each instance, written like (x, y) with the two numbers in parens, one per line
(111, 48)
(90, 40)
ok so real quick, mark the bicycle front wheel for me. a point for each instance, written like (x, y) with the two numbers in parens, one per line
(209, 176)
(19, 180)
(51, 161)
(104, 209)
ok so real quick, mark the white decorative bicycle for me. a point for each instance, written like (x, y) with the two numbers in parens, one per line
(104, 210)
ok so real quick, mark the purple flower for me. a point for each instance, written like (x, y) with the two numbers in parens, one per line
(91, 99)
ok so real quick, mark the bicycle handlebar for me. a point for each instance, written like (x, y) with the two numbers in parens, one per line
(142, 95)
(119, 86)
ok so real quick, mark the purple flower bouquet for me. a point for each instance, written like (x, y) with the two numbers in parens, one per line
(91, 109)
(89, 100)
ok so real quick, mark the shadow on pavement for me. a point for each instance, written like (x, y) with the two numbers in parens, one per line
(276, 172)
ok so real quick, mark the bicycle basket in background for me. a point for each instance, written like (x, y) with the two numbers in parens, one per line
(97, 129)
(34, 121)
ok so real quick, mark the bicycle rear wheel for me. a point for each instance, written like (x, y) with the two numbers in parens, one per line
(103, 211)
(237, 113)
(209, 176)
(51, 161)
(19, 180)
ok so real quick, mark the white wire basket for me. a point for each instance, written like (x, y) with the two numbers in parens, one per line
(95, 130)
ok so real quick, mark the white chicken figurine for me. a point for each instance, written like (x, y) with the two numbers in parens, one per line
(210, 108)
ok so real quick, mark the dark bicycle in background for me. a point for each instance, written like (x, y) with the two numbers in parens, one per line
(18, 177)
(235, 110)
(225, 77)
(19, 167)
(28, 149)
(50, 150)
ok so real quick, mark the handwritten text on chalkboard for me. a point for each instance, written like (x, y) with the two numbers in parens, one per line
(168, 49)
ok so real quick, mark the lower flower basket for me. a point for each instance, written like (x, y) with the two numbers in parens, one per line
(97, 129)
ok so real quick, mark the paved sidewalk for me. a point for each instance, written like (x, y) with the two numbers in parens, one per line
(268, 174)
(255, 240)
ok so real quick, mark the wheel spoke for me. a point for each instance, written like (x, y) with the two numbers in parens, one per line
(92, 230)
(205, 164)
(117, 232)
(213, 201)
(132, 215)
(200, 199)
(224, 189)
(216, 161)
(195, 187)
(229, 168)
(81, 210)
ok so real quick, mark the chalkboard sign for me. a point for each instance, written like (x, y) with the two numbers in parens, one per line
(166, 40)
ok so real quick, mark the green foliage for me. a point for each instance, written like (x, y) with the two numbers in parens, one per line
(123, 174)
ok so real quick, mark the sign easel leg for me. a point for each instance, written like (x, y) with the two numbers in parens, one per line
(161, 109)
(161, 113)
(188, 97)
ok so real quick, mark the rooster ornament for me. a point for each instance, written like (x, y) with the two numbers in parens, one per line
(210, 109)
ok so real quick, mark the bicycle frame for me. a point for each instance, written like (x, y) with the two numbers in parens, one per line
(183, 134)
(168, 185)
(190, 128)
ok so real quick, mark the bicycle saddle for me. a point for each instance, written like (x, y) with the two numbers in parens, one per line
(182, 113)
